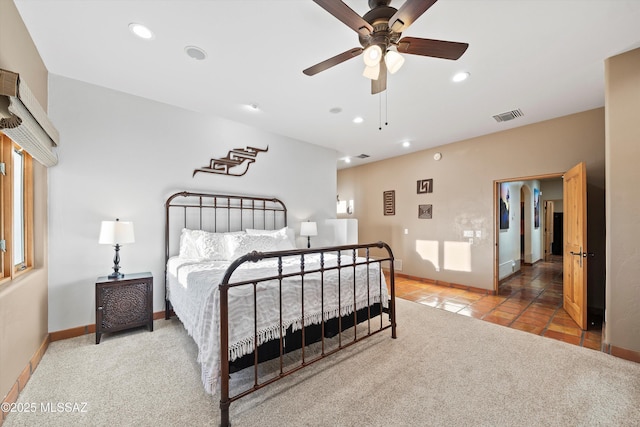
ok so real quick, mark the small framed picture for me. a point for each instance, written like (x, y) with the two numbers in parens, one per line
(425, 186)
(425, 211)
(389, 201)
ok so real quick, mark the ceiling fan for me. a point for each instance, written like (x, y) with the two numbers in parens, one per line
(379, 31)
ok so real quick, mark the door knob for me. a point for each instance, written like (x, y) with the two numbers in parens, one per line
(582, 254)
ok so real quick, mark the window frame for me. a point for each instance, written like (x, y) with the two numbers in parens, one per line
(8, 270)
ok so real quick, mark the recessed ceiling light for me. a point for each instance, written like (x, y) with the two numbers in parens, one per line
(358, 120)
(347, 159)
(406, 144)
(462, 76)
(195, 52)
(141, 31)
(252, 107)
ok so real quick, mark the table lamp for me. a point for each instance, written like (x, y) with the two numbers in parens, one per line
(116, 233)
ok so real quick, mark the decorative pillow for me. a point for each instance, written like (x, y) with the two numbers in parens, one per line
(287, 232)
(238, 245)
(188, 245)
(212, 246)
(275, 233)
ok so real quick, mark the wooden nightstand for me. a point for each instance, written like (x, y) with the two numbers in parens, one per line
(124, 303)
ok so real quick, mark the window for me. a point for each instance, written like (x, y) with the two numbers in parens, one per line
(18, 208)
(16, 198)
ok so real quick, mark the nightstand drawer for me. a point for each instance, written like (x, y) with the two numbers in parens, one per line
(124, 303)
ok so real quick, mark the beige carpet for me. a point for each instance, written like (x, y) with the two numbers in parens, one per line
(443, 370)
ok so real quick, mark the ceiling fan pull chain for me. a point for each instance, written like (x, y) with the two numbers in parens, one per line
(380, 111)
(386, 107)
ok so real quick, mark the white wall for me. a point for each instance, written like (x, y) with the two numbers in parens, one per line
(509, 239)
(121, 156)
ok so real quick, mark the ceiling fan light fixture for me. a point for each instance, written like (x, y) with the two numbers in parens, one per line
(372, 55)
(393, 60)
(372, 72)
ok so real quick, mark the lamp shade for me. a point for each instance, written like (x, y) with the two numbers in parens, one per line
(308, 228)
(116, 232)
(372, 72)
(372, 55)
(393, 60)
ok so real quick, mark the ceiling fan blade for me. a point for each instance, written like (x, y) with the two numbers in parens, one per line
(328, 63)
(409, 12)
(435, 48)
(347, 15)
(380, 85)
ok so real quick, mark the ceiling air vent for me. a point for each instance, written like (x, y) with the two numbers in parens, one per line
(362, 156)
(509, 115)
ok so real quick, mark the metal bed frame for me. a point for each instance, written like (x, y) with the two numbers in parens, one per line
(225, 213)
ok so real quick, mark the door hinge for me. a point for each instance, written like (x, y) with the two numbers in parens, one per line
(3, 168)
(3, 245)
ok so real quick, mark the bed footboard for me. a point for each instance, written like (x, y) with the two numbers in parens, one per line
(345, 269)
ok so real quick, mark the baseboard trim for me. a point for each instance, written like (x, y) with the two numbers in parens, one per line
(88, 329)
(510, 276)
(24, 377)
(72, 332)
(447, 284)
(622, 353)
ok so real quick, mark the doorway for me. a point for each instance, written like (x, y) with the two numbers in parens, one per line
(527, 207)
(576, 252)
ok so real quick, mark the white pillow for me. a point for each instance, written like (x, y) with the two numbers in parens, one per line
(200, 244)
(287, 232)
(257, 232)
(188, 245)
(212, 246)
(239, 245)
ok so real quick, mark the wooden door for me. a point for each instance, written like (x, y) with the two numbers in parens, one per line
(548, 229)
(575, 244)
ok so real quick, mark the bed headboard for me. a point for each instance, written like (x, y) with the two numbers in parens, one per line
(219, 213)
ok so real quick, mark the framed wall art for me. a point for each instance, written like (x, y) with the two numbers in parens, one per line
(389, 202)
(536, 208)
(425, 211)
(504, 206)
(425, 186)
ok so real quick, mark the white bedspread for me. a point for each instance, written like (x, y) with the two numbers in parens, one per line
(194, 294)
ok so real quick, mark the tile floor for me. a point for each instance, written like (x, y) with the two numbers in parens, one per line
(530, 301)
